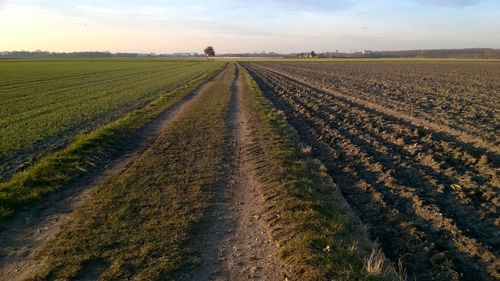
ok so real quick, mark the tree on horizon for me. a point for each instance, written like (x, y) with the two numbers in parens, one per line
(209, 52)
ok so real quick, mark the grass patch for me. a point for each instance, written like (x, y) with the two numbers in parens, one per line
(320, 237)
(56, 170)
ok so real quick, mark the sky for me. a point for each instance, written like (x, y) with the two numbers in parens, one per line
(170, 26)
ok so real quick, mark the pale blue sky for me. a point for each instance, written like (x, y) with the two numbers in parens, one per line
(247, 26)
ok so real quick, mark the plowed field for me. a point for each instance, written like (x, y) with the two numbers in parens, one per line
(414, 149)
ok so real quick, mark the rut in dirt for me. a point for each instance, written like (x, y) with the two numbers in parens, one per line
(24, 236)
(234, 243)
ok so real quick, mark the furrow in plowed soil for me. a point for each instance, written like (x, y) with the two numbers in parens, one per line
(430, 199)
(455, 96)
(235, 243)
(22, 238)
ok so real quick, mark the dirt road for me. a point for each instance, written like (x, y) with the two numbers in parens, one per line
(236, 244)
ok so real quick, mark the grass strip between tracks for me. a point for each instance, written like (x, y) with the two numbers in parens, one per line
(136, 222)
(320, 238)
(57, 169)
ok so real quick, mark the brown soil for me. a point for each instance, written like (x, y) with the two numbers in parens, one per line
(235, 243)
(22, 237)
(456, 97)
(428, 195)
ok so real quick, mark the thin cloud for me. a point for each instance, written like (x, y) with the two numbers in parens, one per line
(448, 3)
(151, 14)
(247, 25)
(299, 5)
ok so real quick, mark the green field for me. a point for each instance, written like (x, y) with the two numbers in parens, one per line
(45, 104)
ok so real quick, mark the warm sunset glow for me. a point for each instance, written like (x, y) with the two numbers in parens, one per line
(240, 26)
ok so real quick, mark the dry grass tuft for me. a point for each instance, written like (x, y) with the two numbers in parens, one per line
(352, 247)
(374, 264)
(305, 149)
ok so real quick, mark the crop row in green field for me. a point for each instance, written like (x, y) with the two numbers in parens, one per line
(46, 104)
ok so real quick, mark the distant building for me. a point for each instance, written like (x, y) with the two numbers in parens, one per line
(184, 55)
(307, 55)
(312, 55)
(147, 55)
